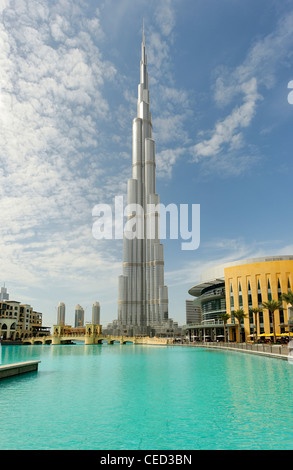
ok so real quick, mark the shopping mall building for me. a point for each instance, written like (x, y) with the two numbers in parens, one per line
(243, 284)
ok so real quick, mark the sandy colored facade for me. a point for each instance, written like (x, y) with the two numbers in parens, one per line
(243, 284)
(248, 285)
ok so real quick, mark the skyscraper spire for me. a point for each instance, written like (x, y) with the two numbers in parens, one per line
(143, 297)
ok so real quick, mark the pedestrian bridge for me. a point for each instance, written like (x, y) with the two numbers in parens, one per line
(91, 334)
(63, 339)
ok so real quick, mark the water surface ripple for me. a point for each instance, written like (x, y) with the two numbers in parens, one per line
(145, 397)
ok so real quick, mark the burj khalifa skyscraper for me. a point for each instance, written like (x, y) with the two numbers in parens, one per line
(142, 296)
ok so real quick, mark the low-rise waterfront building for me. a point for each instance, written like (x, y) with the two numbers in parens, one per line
(19, 321)
(243, 284)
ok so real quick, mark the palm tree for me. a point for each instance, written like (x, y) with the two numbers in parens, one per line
(272, 306)
(239, 314)
(225, 317)
(288, 298)
(255, 311)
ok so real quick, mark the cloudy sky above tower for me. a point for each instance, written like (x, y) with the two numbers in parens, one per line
(69, 70)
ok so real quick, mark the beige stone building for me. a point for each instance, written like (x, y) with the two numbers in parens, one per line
(19, 321)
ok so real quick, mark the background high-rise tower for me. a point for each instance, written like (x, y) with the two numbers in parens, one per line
(61, 314)
(143, 297)
(79, 316)
(96, 313)
(4, 294)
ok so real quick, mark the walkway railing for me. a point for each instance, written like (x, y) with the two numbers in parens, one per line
(274, 350)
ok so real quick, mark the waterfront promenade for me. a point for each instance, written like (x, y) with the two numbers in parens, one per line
(277, 351)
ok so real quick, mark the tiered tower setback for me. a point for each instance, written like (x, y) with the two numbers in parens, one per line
(142, 296)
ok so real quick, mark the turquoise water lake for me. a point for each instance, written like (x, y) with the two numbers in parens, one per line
(108, 397)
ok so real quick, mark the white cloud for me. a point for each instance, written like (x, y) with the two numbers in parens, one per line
(219, 251)
(55, 161)
(159, 40)
(247, 81)
(158, 56)
(262, 62)
(170, 128)
(226, 132)
(166, 159)
(52, 77)
(165, 16)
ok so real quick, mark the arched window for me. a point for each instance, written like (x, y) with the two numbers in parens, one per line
(249, 297)
(269, 291)
(279, 290)
(240, 296)
(259, 296)
(231, 298)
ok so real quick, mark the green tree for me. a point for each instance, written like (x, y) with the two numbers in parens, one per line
(240, 315)
(256, 311)
(272, 306)
(288, 298)
(225, 317)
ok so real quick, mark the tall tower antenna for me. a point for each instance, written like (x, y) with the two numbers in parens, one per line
(143, 297)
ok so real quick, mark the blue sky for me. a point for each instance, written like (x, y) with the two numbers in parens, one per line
(219, 74)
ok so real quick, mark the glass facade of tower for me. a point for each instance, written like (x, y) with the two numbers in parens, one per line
(213, 302)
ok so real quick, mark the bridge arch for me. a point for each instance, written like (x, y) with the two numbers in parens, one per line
(26, 341)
